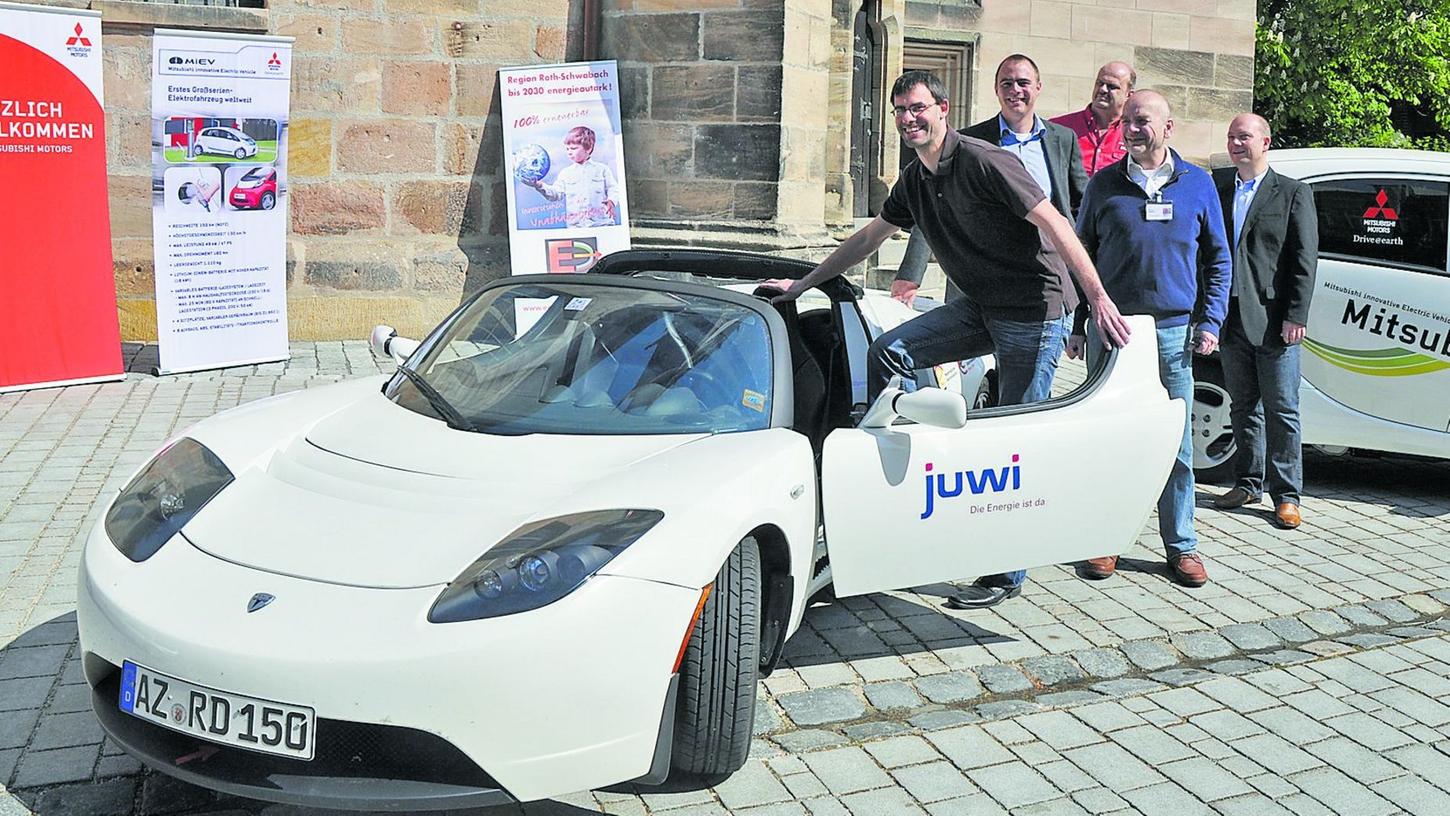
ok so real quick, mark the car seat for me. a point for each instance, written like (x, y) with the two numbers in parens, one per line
(806, 375)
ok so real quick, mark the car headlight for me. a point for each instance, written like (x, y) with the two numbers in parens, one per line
(163, 498)
(540, 563)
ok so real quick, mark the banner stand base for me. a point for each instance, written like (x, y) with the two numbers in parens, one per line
(164, 372)
(6, 389)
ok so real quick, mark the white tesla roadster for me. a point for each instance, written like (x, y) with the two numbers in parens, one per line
(557, 548)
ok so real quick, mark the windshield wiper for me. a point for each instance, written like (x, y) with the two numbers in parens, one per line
(440, 404)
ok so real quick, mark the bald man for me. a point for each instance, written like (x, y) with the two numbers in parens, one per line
(1153, 225)
(1099, 126)
(1274, 233)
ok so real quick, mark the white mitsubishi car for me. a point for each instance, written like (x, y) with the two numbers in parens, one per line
(226, 141)
(557, 548)
(1375, 365)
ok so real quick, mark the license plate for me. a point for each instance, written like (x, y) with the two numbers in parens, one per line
(218, 716)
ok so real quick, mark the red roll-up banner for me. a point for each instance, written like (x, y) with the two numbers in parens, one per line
(58, 322)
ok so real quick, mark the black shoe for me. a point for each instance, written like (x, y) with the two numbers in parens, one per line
(1235, 498)
(976, 596)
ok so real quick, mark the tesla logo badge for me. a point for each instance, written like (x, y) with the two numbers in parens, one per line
(79, 38)
(571, 254)
(1380, 210)
(274, 60)
(259, 600)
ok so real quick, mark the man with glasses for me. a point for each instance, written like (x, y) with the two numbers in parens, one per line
(1003, 244)
(1048, 151)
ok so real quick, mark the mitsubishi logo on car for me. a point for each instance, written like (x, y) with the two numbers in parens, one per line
(1380, 210)
(259, 600)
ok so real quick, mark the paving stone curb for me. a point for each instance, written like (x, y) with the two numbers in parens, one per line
(998, 691)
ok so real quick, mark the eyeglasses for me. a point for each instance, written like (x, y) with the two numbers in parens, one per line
(915, 110)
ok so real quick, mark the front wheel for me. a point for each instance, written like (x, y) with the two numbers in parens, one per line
(1212, 431)
(716, 709)
(240, 154)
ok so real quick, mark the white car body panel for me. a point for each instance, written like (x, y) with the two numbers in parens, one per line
(1054, 473)
(1340, 407)
(367, 655)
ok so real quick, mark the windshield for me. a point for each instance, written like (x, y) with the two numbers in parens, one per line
(255, 174)
(587, 359)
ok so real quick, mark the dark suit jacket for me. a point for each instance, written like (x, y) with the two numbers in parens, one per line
(1274, 261)
(1064, 161)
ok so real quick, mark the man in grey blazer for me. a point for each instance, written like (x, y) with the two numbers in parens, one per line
(1274, 233)
(1048, 150)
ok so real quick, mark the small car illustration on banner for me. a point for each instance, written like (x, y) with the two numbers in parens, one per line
(257, 190)
(225, 141)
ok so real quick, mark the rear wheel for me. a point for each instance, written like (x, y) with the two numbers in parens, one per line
(717, 677)
(1212, 432)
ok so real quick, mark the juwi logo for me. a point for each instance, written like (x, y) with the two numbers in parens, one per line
(987, 480)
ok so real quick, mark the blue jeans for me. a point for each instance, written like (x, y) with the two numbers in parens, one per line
(1263, 382)
(1175, 503)
(1026, 352)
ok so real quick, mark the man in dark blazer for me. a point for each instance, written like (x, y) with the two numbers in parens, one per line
(1048, 150)
(1274, 233)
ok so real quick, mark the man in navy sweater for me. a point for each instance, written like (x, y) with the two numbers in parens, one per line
(1153, 225)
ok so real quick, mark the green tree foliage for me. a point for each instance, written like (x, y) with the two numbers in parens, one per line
(1330, 72)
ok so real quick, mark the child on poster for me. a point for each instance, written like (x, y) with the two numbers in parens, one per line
(587, 186)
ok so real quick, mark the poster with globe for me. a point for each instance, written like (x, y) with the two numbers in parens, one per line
(564, 153)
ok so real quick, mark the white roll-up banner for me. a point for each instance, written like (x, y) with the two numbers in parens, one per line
(219, 108)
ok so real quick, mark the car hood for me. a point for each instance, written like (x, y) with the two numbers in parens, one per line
(375, 495)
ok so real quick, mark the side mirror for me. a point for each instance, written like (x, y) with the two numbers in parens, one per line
(928, 406)
(386, 342)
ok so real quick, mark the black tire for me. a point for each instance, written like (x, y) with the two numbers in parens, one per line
(716, 709)
(1213, 441)
(268, 201)
(241, 153)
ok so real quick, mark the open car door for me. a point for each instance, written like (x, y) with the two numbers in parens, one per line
(1016, 487)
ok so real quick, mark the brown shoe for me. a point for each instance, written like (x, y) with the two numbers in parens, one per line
(1188, 569)
(1100, 568)
(1286, 516)
(1238, 497)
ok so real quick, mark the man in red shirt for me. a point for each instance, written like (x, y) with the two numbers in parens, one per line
(1099, 126)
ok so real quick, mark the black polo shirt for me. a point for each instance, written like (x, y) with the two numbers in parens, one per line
(972, 211)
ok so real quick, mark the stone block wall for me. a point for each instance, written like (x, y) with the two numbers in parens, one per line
(1200, 54)
(701, 86)
(395, 194)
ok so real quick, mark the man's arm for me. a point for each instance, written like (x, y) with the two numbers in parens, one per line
(1077, 178)
(852, 251)
(1215, 265)
(912, 269)
(1300, 258)
(1110, 324)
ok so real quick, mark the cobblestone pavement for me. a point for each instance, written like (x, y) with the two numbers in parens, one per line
(1311, 676)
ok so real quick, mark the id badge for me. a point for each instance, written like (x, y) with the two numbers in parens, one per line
(1158, 210)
